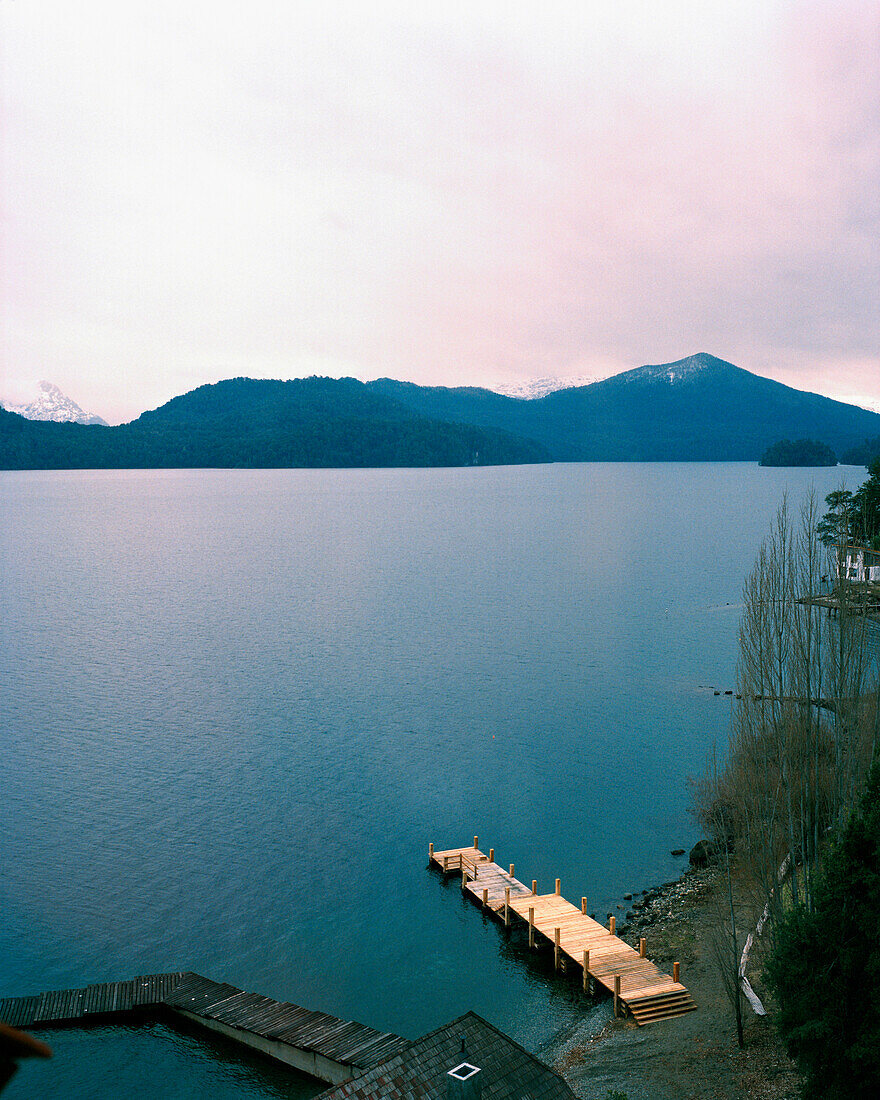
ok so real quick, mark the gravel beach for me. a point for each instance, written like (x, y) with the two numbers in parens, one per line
(691, 1057)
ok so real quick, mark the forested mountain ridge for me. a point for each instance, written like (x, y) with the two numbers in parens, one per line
(242, 422)
(696, 409)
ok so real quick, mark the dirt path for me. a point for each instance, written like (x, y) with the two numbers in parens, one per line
(693, 1056)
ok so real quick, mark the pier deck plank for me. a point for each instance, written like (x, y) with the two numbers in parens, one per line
(645, 990)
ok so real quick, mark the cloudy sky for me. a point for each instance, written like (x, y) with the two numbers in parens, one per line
(448, 193)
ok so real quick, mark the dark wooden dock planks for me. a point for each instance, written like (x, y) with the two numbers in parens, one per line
(67, 1006)
(18, 1011)
(198, 995)
(341, 1041)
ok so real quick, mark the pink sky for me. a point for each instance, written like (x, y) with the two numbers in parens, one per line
(474, 194)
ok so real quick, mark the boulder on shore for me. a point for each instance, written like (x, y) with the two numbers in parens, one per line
(703, 853)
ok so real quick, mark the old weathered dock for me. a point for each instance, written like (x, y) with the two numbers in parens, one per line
(324, 1046)
(637, 984)
(861, 599)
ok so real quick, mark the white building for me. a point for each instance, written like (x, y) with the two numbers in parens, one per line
(861, 564)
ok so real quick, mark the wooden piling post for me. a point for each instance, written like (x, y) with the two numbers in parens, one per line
(642, 947)
(584, 906)
(534, 886)
(511, 870)
(446, 865)
(430, 851)
(555, 948)
(531, 927)
(612, 925)
(586, 971)
(676, 972)
(463, 877)
(476, 844)
(491, 855)
(616, 994)
(558, 887)
(506, 906)
(485, 898)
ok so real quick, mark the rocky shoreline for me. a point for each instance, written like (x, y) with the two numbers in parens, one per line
(692, 1056)
(667, 902)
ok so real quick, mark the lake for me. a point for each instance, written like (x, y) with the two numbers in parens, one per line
(237, 705)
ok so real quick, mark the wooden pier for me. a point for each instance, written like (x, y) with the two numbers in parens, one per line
(637, 985)
(861, 599)
(326, 1047)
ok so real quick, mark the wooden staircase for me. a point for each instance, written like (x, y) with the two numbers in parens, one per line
(662, 1006)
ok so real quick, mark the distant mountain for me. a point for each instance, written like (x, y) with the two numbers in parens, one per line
(696, 409)
(540, 387)
(52, 404)
(311, 422)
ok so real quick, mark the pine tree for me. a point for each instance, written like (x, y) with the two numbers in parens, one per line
(825, 969)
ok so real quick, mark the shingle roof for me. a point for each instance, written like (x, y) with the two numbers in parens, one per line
(508, 1072)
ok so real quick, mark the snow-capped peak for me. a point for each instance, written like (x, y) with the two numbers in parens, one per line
(539, 387)
(52, 404)
(679, 371)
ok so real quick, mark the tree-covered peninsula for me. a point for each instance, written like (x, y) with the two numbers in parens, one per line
(800, 452)
(863, 454)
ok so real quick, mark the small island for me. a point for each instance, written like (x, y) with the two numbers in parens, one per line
(803, 452)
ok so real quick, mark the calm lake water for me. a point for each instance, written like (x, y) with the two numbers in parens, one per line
(237, 705)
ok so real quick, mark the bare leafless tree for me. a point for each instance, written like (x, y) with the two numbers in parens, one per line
(724, 937)
(803, 731)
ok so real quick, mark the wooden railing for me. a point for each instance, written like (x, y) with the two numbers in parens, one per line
(467, 864)
(463, 863)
